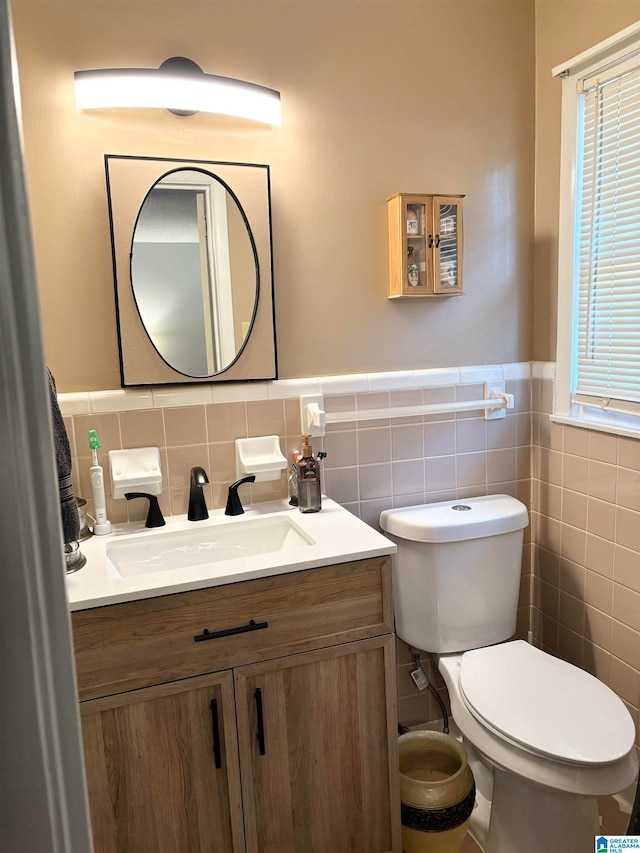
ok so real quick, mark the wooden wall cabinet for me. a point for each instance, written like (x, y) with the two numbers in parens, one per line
(289, 746)
(425, 245)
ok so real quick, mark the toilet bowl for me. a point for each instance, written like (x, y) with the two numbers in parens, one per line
(544, 738)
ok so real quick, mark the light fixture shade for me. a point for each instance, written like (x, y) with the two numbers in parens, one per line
(175, 90)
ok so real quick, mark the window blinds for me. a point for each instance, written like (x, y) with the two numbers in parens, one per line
(608, 243)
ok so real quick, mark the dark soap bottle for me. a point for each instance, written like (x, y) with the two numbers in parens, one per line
(309, 493)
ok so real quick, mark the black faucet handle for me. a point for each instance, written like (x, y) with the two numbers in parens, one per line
(154, 515)
(234, 504)
(197, 504)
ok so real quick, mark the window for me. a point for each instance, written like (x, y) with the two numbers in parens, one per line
(598, 360)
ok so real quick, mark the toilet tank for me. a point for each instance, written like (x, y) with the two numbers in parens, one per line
(456, 574)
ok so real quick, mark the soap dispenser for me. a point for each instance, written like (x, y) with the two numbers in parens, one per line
(309, 498)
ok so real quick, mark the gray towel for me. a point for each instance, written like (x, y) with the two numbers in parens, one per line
(68, 505)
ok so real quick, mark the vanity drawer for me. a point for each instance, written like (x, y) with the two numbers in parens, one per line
(139, 643)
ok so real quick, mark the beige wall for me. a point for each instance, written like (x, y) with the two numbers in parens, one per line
(564, 28)
(378, 97)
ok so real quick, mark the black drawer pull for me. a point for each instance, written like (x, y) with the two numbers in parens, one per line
(241, 629)
(216, 734)
(258, 697)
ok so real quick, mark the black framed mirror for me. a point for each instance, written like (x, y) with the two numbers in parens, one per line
(191, 245)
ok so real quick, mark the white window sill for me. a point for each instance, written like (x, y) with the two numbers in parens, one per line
(609, 423)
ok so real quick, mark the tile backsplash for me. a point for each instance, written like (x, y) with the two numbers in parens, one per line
(186, 436)
(370, 465)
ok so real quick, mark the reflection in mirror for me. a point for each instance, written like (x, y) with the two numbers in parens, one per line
(194, 272)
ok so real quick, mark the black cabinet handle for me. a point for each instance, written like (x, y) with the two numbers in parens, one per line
(216, 734)
(258, 697)
(227, 632)
(437, 240)
(430, 242)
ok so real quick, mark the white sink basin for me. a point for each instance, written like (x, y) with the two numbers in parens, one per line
(132, 563)
(198, 546)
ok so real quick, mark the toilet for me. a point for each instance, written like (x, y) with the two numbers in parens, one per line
(544, 738)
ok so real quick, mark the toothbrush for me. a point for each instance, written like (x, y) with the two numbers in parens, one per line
(101, 526)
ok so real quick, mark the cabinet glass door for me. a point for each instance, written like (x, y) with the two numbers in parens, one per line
(416, 219)
(447, 241)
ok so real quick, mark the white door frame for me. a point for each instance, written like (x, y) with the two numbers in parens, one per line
(43, 806)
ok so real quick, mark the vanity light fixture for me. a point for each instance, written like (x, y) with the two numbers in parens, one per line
(178, 85)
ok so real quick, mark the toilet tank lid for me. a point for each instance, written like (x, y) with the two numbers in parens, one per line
(456, 520)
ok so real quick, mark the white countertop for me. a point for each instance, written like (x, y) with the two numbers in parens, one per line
(337, 534)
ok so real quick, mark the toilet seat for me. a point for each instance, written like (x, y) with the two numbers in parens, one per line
(544, 704)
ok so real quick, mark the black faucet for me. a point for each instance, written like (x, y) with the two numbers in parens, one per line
(234, 506)
(154, 516)
(197, 504)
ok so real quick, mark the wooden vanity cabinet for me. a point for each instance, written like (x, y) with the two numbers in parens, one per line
(298, 753)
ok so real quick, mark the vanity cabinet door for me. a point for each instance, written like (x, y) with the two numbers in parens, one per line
(318, 751)
(162, 768)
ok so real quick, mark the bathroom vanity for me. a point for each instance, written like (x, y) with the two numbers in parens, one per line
(255, 714)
